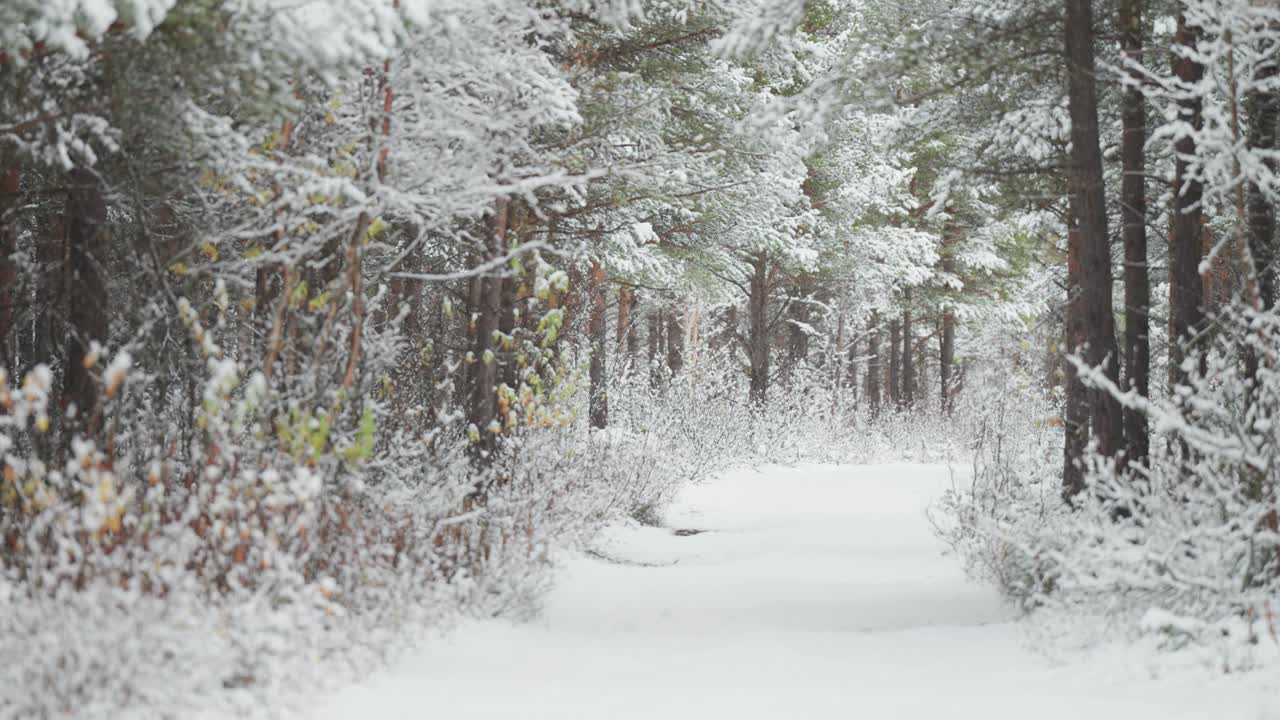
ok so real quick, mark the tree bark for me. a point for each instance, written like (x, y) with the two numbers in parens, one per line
(1264, 119)
(598, 405)
(655, 347)
(10, 184)
(675, 339)
(758, 342)
(482, 400)
(623, 330)
(907, 395)
(946, 361)
(1090, 201)
(86, 213)
(874, 370)
(797, 331)
(1076, 411)
(895, 345)
(633, 328)
(1186, 287)
(1133, 216)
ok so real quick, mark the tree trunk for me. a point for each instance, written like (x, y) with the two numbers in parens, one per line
(10, 184)
(797, 330)
(1186, 287)
(623, 329)
(87, 300)
(874, 370)
(1090, 201)
(1133, 216)
(1076, 413)
(483, 400)
(655, 347)
(675, 339)
(596, 327)
(633, 328)
(895, 345)
(758, 342)
(946, 361)
(907, 395)
(509, 371)
(1264, 119)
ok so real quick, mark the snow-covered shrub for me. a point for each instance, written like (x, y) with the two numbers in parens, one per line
(1194, 535)
(1185, 549)
(1008, 492)
(277, 541)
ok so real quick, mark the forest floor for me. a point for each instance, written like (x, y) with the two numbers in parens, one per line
(810, 592)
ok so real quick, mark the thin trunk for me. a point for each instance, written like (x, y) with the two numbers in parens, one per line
(675, 340)
(633, 327)
(838, 370)
(507, 332)
(946, 361)
(598, 331)
(1076, 413)
(1133, 216)
(895, 345)
(86, 213)
(798, 335)
(874, 371)
(1264, 123)
(506, 345)
(10, 184)
(482, 401)
(655, 346)
(623, 328)
(947, 342)
(51, 298)
(758, 342)
(1090, 201)
(907, 394)
(1186, 287)
(470, 316)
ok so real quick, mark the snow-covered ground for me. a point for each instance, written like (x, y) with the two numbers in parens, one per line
(811, 592)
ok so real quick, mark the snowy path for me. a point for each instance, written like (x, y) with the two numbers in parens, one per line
(815, 592)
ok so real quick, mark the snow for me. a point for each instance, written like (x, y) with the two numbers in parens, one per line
(811, 592)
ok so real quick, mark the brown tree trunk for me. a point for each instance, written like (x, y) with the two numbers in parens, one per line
(907, 395)
(598, 406)
(1186, 287)
(470, 316)
(946, 361)
(947, 341)
(1264, 123)
(675, 339)
(51, 298)
(758, 341)
(482, 398)
(655, 347)
(86, 213)
(633, 328)
(874, 370)
(1090, 201)
(623, 329)
(10, 184)
(895, 346)
(1076, 413)
(920, 395)
(797, 331)
(1133, 216)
